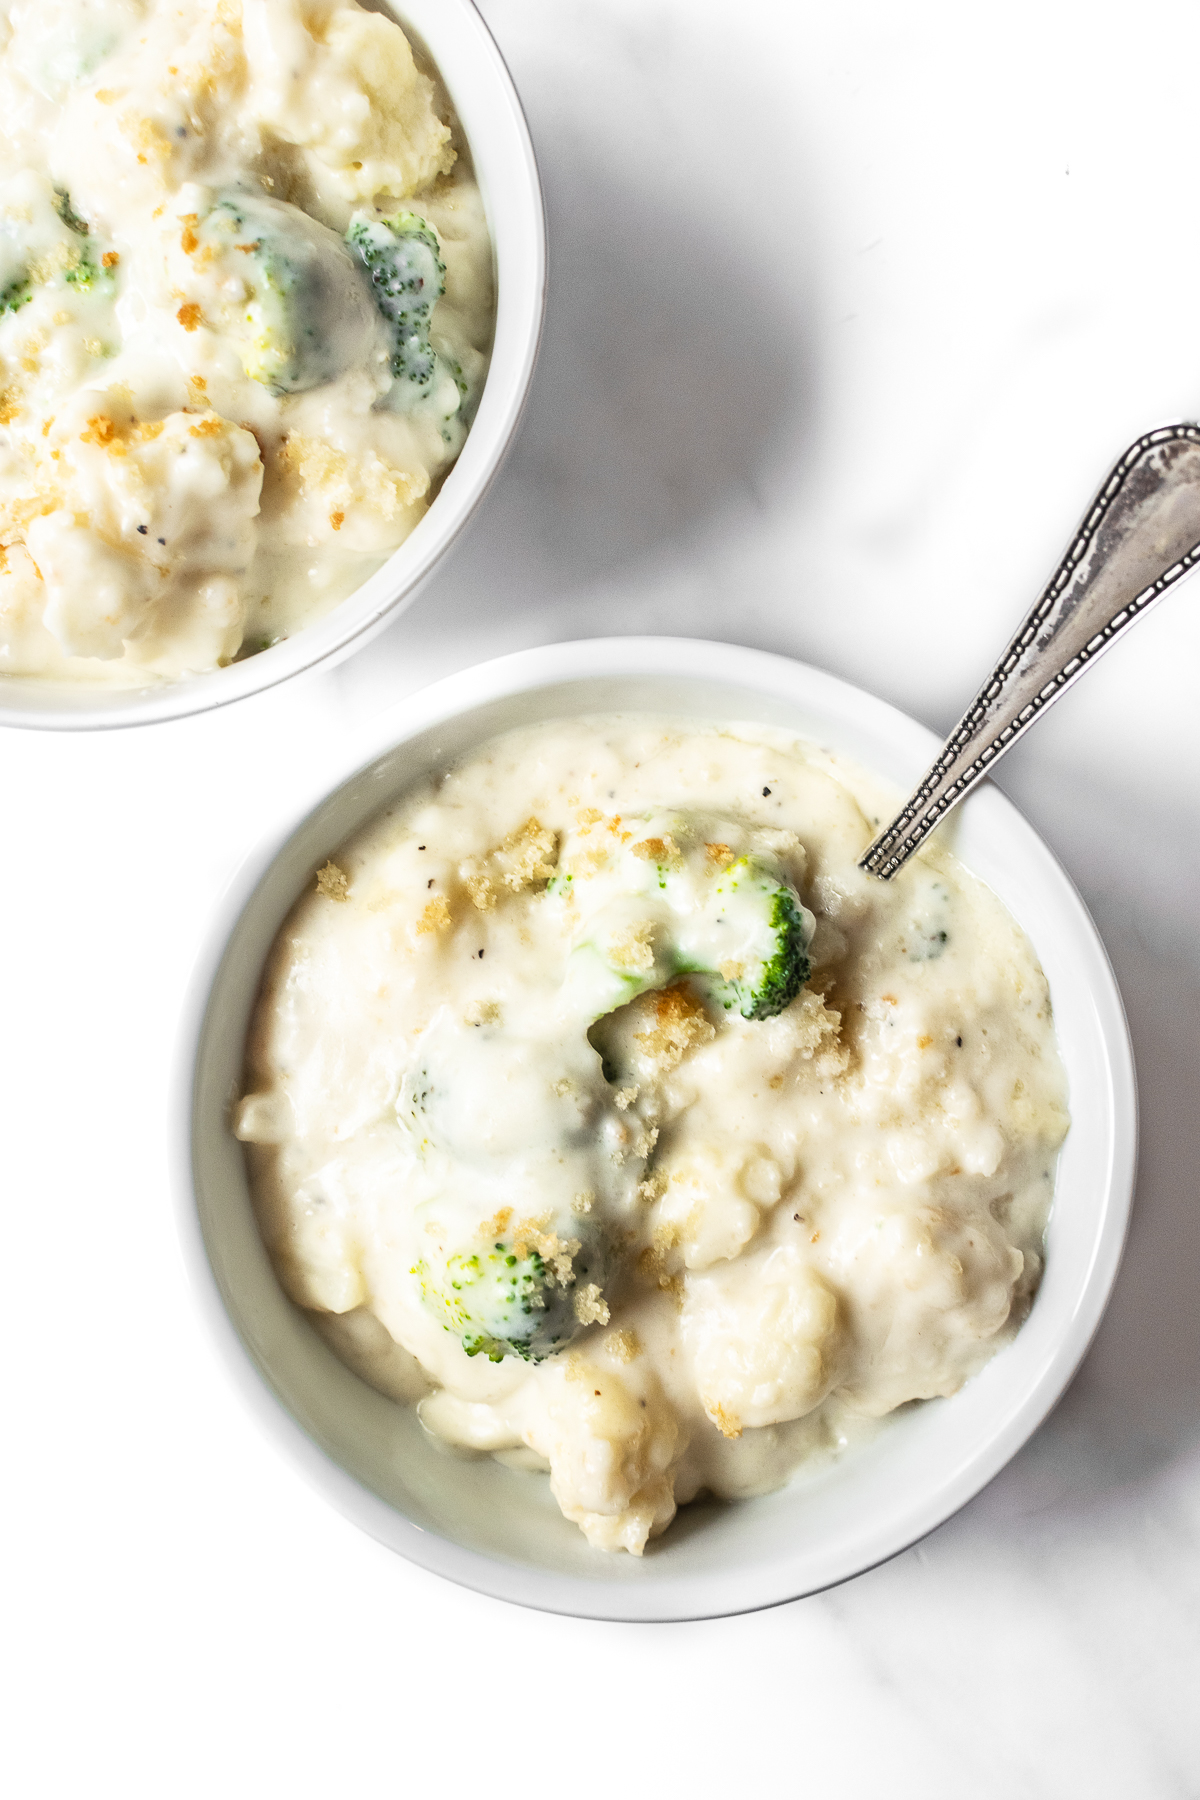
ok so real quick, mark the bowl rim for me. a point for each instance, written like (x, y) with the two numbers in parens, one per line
(458, 695)
(33, 704)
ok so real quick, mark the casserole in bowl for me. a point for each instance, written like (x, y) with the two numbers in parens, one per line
(494, 1527)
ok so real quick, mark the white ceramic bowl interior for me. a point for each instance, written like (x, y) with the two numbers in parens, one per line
(497, 1529)
(482, 93)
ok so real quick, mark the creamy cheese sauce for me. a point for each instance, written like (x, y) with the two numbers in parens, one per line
(246, 304)
(599, 1104)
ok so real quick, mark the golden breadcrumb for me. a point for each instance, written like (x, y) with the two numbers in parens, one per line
(332, 882)
(494, 1228)
(664, 851)
(478, 886)
(528, 856)
(320, 470)
(725, 1424)
(591, 1308)
(436, 916)
(680, 1024)
(633, 951)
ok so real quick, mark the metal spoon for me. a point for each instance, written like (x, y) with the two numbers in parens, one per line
(1140, 536)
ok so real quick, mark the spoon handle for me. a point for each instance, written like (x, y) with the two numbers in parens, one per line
(1140, 536)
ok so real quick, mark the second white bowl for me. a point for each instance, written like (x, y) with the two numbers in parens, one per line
(485, 100)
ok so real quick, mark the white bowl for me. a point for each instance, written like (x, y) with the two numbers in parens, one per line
(497, 1529)
(482, 94)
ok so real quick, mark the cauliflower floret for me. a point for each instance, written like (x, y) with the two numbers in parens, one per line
(142, 520)
(765, 1344)
(314, 1246)
(713, 1195)
(165, 106)
(59, 42)
(610, 1449)
(357, 498)
(25, 644)
(472, 1424)
(926, 1288)
(366, 1345)
(342, 83)
(95, 595)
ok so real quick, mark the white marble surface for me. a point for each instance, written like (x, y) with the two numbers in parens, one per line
(851, 307)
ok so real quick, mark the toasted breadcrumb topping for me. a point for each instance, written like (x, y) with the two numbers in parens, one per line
(591, 1308)
(725, 1424)
(333, 882)
(633, 950)
(680, 1024)
(436, 916)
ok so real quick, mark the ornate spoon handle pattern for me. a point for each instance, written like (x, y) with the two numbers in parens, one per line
(1139, 537)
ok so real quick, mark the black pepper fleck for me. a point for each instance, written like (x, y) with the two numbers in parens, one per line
(143, 529)
(766, 791)
(429, 883)
(420, 846)
(958, 1041)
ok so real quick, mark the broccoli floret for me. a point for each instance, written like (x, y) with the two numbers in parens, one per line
(408, 278)
(500, 1303)
(16, 293)
(83, 271)
(785, 973)
(767, 913)
(50, 258)
(508, 1288)
(86, 273)
(741, 927)
(307, 316)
